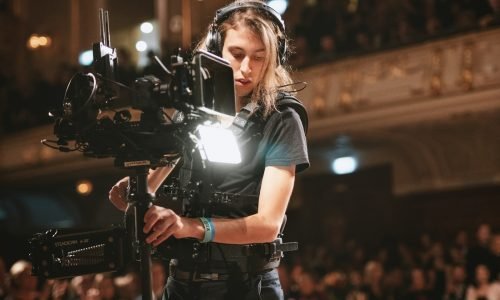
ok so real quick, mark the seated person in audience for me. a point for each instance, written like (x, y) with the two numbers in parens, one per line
(483, 288)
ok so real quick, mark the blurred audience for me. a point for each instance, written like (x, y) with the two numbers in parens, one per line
(4, 279)
(401, 269)
(479, 253)
(456, 286)
(22, 284)
(335, 28)
(427, 268)
(159, 278)
(129, 287)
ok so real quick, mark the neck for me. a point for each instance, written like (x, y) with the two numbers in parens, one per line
(241, 102)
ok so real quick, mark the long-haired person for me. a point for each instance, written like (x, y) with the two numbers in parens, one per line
(234, 237)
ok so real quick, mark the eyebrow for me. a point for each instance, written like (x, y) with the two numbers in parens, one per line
(239, 48)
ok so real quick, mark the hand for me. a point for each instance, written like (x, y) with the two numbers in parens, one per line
(161, 223)
(118, 194)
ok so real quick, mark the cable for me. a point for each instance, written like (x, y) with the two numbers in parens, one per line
(279, 88)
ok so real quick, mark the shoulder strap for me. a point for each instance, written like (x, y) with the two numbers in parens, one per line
(242, 119)
(287, 100)
(283, 101)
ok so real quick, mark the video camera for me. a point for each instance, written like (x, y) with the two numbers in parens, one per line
(104, 118)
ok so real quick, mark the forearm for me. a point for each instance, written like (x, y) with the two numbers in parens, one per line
(118, 193)
(261, 227)
(252, 229)
(247, 230)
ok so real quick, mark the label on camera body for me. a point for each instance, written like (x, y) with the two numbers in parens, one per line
(137, 163)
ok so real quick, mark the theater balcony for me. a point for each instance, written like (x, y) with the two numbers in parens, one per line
(429, 111)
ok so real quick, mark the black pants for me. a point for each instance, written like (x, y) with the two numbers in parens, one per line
(257, 287)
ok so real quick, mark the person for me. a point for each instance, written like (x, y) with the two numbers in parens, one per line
(495, 257)
(479, 254)
(457, 286)
(373, 276)
(158, 278)
(250, 35)
(483, 287)
(23, 284)
(419, 285)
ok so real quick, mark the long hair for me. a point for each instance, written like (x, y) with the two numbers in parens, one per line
(274, 74)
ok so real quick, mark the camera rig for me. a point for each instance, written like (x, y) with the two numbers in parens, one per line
(102, 117)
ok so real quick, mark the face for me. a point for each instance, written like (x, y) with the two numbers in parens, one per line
(246, 53)
(458, 274)
(106, 288)
(482, 274)
(495, 245)
(483, 233)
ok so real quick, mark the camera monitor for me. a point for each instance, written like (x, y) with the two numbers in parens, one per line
(213, 83)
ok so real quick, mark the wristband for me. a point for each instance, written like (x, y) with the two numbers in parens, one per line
(209, 230)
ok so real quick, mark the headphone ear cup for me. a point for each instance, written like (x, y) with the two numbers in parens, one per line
(213, 42)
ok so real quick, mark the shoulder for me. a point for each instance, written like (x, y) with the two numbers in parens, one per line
(283, 118)
(286, 102)
(495, 287)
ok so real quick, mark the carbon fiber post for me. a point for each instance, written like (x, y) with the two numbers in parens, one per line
(139, 202)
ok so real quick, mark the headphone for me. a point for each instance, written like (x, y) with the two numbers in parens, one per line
(214, 40)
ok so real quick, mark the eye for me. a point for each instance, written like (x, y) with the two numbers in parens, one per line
(259, 58)
(238, 55)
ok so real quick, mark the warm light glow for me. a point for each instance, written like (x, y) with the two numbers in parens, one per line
(141, 46)
(44, 41)
(147, 27)
(84, 187)
(219, 144)
(35, 41)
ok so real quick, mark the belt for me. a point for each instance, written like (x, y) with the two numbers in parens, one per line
(196, 276)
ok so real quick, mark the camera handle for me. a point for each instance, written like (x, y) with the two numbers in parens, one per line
(139, 201)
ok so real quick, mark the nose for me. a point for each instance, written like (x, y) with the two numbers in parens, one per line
(245, 67)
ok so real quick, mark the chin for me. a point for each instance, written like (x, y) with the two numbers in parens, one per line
(245, 93)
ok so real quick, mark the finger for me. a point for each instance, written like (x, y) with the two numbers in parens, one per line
(161, 238)
(165, 229)
(157, 212)
(151, 223)
(163, 235)
(159, 229)
(151, 213)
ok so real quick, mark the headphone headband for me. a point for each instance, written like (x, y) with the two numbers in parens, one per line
(223, 14)
(214, 40)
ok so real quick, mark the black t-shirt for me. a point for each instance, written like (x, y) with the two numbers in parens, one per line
(278, 141)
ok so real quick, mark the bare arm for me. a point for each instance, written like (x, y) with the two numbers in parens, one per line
(276, 189)
(264, 226)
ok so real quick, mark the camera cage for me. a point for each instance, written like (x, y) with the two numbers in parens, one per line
(104, 118)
